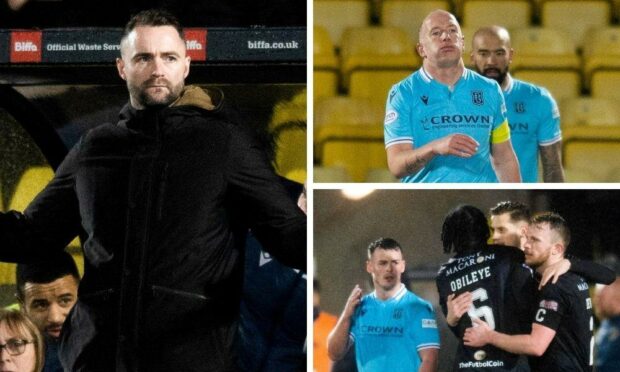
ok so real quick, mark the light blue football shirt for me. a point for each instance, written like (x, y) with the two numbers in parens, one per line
(534, 121)
(420, 110)
(388, 334)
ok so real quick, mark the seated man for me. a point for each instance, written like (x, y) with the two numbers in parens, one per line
(46, 292)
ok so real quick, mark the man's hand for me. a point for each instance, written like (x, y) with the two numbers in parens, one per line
(554, 271)
(457, 306)
(352, 302)
(478, 335)
(460, 145)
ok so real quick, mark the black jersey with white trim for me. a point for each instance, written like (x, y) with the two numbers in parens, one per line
(503, 292)
(566, 307)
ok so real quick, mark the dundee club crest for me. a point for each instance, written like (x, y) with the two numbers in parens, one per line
(477, 98)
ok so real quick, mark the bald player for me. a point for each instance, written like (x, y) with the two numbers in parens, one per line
(445, 123)
(533, 114)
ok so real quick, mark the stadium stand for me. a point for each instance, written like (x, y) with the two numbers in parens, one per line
(338, 15)
(508, 13)
(601, 59)
(575, 17)
(381, 50)
(348, 133)
(408, 15)
(325, 67)
(590, 112)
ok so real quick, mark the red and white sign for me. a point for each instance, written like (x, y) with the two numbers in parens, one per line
(25, 46)
(196, 43)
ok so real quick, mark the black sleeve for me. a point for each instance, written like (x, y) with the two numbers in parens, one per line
(275, 219)
(49, 222)
(591, 271)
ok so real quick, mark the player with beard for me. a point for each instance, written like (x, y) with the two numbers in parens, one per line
(392, 328)
(532, 112)
(561, 336)
(445, 123)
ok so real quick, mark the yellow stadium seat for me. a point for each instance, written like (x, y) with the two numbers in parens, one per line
(575, 17)
(380, 175)
(325, 78)
(507, 13)
(409, 14)
(590, 111)
(582, 175)
(375, 85)
(376, 48)
(598, 157)
(601, 52)
(288, 127)
(561, 84)
(336, 16)
(595, 148)
(331, 174)
(1, 197)
(605, 83)
(541, 48)
(323, 50)
(348, 132)
(468, 33)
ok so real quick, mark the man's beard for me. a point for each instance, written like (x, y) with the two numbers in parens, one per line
(139, 93)
(500, 77)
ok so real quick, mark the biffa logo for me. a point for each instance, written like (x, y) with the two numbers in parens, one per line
(25, 46)
(196, 43)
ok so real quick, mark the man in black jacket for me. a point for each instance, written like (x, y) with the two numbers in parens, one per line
(165, 197)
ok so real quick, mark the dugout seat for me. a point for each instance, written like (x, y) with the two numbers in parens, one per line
(409, 14)
(507, 13)
(31, 182)
(325, 76)
(376, 49)
(601, 54)
(589, 111)
(543, 48)
(575, 17)
(337, 15)
(561, 84)
(348, 132)
(288, 127)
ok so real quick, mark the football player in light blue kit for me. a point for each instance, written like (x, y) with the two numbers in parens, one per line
(391, 328)
(445, 123)
(533, 115)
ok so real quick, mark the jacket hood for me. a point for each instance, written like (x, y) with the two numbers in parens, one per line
(193, 95)
(210, 99)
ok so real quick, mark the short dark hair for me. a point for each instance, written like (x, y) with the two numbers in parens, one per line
(383, 243)
(153, 17)
(47, 271)
(517, 210)
(556, 222)
(464, 229)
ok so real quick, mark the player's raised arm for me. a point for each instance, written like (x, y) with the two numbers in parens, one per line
(338, 341)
